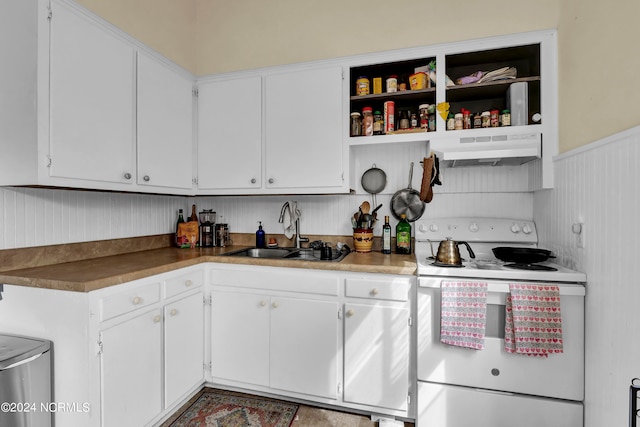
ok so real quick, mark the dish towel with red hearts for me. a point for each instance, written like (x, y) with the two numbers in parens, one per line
(463, 313)
(533, 322)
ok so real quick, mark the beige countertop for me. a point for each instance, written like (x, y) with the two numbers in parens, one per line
(85, 275)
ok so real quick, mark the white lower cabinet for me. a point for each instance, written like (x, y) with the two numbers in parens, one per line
(183, 347)
(275, 341)
(377, 341)
(332, 337)
(304, 345)
(130, 370)
(240, 337)
(151, 346)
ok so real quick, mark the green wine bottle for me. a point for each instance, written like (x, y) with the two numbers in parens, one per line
(403, 236)
(386, 236)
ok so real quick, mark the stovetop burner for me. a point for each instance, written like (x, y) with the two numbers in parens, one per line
(534, 267)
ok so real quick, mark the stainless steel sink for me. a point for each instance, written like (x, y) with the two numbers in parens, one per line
(287, 253)
(263, 252)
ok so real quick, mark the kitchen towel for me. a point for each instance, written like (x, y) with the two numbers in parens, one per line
(463, 313)
(291, 213)
(533, 322)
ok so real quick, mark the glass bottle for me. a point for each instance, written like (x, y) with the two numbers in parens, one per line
(180, 221)
(193, 216)
(403, 236)
(414, 121)
(386, 236)
(404, 119)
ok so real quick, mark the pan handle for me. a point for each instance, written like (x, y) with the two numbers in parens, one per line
(410, 175)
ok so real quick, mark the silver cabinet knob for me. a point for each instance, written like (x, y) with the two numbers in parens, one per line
(275, 305)
(271, 180)
(173, 312)
(253, 180)
(146, 178)
(350, 313)
(127, 175)
(157, 318)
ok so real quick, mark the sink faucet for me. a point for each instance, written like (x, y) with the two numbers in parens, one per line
(293, 213)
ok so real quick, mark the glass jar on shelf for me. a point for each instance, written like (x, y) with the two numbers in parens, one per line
(356, 124)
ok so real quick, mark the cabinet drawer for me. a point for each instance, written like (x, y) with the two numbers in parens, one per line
(388, 288)
(125, 302)
(184, 282)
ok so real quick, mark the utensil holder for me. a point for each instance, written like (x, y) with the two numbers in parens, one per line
(363, 239)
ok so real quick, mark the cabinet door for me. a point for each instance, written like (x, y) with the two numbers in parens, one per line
(165, 126)
(304, 346)
(131, 372)
(376, 355)
(183, 347)
(230, 134)
(303, 111)
(240, 337)
(92, 134)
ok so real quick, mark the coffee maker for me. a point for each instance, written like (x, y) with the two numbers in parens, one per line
(207, 224)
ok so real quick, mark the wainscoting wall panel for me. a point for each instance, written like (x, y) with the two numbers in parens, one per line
(596, 185)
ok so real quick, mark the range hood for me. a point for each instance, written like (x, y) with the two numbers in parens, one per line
(488, 150)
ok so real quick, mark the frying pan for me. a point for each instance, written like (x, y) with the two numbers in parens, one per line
(521, 255)
(373, 181)
(407, 201)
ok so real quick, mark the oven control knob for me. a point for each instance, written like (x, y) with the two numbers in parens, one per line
(495, 372)
(515, 228)
(473, 227)
(433, 227)
(526, 229)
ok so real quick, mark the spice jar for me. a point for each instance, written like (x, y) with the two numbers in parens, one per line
(424, 116)
(367, 121)
(495, 117)
(486, 119)
(362, 86)
(414, 121)
(466, 119)
(505, 118)
(451, 122)
(392, 84)
(356, 124)
(458, 118)
(432, 117)
(378, 123)
(477, 120)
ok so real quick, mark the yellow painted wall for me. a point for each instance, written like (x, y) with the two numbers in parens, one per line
(598, 57)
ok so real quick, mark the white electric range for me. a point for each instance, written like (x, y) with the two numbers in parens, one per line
(495, 387)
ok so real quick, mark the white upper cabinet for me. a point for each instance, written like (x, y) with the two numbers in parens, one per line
(277, 131)
(230, 134)
(87, 106)
(165, 125)
(303, 139)
(92, 100)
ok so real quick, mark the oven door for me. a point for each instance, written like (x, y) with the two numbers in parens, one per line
(559, 375)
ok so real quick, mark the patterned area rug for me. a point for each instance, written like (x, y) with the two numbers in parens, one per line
(217, 409)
